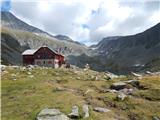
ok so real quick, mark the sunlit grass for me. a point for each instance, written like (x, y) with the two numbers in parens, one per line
(24, 97)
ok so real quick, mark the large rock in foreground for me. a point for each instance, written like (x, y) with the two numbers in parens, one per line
(51, 114)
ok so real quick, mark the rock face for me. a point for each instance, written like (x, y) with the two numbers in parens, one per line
(118, 85)
(74, 113)
(51, 114)
(100, 109)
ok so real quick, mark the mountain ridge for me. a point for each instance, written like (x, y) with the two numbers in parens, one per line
(127, 53)
(26, 35)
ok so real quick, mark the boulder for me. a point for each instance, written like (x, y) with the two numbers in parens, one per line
(111, 75)
(88, 91)
(31, 76)
(155, 118)
(127, 91)
(30, 67)
(59, 89)
(100, 109)
(23, 69)
(3, 67)
(121, 96)
(29, 73)
(74, 113)
(86, 111)
(136, 75)
(118, 85)
(134, 83)
(15, 67)
(51, 114)
(14, 76)
(113, 91)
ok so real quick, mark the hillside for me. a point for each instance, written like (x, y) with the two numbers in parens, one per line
(31, 37)
(26, 91)
(123, 54)
(10, 21)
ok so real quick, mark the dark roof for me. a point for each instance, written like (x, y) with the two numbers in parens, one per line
(32, 51)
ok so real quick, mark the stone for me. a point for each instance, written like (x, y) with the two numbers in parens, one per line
(29, 73)
(23, 69)
(74, 113)
(30, 67)
(78, 78)
(88, 91)
(118, 85)
(96, 78)
(87, 66)
(109, 90)
(13, 76)
(59, 89)
(127, 91)
(155, 118)
(100, 109)
(136, 75)
(150, 73)
(15, 67)
(121, 96)
(107, 78)
(86, 111)
(111, 75)
(3, 67)
(51, 114)
(31, 76)
(134, 83)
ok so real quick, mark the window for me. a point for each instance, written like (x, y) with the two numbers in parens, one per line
(38, 62)
(49, 62)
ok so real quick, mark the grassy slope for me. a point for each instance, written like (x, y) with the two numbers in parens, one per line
(24, 98)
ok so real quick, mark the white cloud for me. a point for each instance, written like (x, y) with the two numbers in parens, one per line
(101, 18)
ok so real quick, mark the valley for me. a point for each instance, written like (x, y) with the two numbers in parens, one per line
(118, 54)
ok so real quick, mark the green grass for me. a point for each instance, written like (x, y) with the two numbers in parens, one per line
(24, 97)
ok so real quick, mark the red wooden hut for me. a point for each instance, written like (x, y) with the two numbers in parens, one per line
(43, 56)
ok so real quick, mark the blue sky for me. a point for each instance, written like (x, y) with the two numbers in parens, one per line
(5, 5)
(87, 21)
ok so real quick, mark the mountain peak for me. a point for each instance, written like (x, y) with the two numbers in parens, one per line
(63, 37)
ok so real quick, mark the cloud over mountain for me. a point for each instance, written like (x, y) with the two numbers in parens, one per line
(88, 21)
